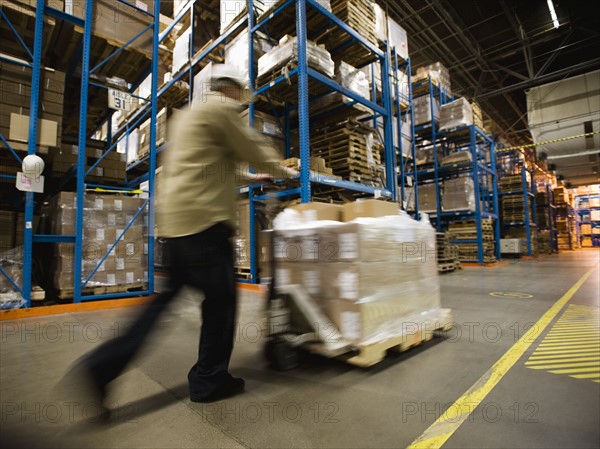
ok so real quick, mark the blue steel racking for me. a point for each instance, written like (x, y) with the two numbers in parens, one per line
(81, 172)
(304, 73)
(584, 216)
(481, 169)
(527, 190)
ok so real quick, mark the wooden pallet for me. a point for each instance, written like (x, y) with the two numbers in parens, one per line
(100, 290)
(416, 334)
(243, 273)
(446, 267)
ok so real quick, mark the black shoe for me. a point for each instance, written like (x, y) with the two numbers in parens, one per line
(229, 388)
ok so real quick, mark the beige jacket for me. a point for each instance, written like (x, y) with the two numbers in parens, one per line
(201, 168)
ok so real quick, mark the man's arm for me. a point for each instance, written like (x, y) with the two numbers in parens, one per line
(249, 146)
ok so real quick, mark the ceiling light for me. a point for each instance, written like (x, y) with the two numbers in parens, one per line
(553, 14)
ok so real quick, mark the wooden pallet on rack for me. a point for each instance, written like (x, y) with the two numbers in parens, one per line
(101, 290)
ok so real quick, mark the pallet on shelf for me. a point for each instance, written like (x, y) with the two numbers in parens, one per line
(101, 290)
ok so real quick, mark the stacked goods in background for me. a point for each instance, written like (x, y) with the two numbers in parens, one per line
(458, 194)
(344, 266)
(360, 16)
(284, 57)
(565, 223)
(467, 230)
(456, 114)
(447, 252)
(111, 168)
(350, 78)
(426, 109)
(544, 215)
(105, 217)
(513, 210)
(351, 149)
(477, 116)
(427, 198)
(15, 100)
(437, 72)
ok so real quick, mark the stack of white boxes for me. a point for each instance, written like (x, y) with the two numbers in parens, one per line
(345, 266)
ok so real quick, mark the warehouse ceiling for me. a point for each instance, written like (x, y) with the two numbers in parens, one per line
(497, 49)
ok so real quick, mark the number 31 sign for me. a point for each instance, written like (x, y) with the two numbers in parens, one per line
(119, 100)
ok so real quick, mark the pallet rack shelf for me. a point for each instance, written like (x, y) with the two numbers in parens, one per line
(476, 224)
(518, 194)
(588, 220)
(90, 67)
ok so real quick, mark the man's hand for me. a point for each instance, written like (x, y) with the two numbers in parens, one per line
(259, 178)
(291, 172)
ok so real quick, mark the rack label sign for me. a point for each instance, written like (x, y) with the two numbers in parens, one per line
(119, 100)
(30, 184)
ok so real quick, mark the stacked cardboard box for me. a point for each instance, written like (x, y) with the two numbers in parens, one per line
(7, 230)
(427, 198)
(439, 74)
(286, 54)
(423, 110)
(15, 99)
(345, 266)
(111, 168)
(458, 194)
(477, 115)
(105, 217)
(456, 114)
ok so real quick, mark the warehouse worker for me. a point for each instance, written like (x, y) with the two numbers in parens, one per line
(196, 215)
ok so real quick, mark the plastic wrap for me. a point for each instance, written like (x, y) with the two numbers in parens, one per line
(456, 114)
(232, 9)
(181, 52)
(11, 261)
(458, 194)
(422, 110)
(398, 38)
(104, 220)
(427, 198)
(287, 52)
(345, 267)
(236, 52)
(353, 79)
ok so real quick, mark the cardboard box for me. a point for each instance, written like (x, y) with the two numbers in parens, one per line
(19, 130)
(368, 208)
(319, 211)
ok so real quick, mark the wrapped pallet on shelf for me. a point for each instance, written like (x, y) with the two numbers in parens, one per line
(422, 109)
(437, 72)
(458, 194)
(105, 218)
(455, 114)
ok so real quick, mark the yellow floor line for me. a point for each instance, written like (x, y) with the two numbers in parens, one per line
(582, 337)
(566, 365)
(556, 336)
(576, 370)
(587, 376)
(562, 351)
(569, 355)
(565, 345)
(445, 426)
(566, 358)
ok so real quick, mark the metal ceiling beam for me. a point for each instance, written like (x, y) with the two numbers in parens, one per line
(552, 57)
(521, 36)
(594, 63)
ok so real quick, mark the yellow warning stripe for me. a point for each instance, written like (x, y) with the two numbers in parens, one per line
(572, 346)
(445, 426)
(546, 142)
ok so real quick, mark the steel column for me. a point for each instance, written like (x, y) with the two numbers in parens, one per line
(303, 112)
(81, 156)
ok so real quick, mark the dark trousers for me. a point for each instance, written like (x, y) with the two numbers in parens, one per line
(204, 261)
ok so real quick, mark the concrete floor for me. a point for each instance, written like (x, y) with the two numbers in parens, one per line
(324, 403)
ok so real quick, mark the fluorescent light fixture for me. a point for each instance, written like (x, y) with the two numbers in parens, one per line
(553, 14)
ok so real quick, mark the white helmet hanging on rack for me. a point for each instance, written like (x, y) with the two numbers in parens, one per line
(33, 166)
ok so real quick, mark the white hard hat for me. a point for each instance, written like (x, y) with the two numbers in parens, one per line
(33, 166)
(228, 72)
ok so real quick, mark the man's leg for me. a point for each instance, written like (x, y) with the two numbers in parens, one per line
(106, 362)
(210, 374)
